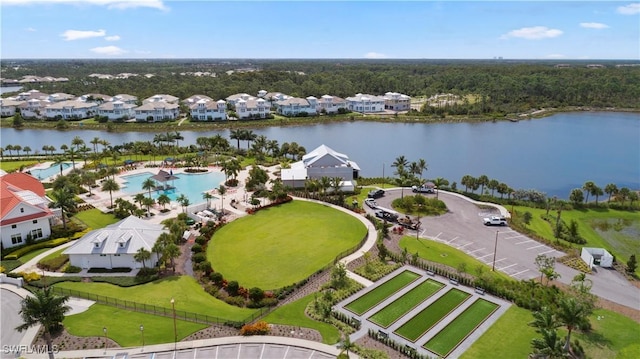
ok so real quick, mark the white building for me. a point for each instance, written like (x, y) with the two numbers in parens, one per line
(295, 106)
(322, 162)
(330, 104)
(115, 245)
(365, 103)
(195, 98)
(208, 110)
(58, 97)
(115, 110)
(248, 109)
(161, 98)
(128, 99)
(8, 106)
(158, 108)
(233, 99)
(24, 209)
(596, 257)
(396, 101)
(71, 109)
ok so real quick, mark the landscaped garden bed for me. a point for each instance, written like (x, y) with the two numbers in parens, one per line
(403, 305)
(384, 291)
(431, 315)
(455, 332)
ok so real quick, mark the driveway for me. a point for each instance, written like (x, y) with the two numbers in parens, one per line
(10, 303)
(513, 252)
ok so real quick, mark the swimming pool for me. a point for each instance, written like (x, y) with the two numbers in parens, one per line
(44, 173)
(192, 185)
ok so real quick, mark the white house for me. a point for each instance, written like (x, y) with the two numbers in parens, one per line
(330, 104)
(252, 108)
(128, 99)
(71, 109)
(161, 98)
(24, 209)
(322, 162)
(208, 110)
(8, 106)
(115, 110)
(294, 106)
(32, 108)
(396, 101)
(233, 99)
(365, 103)
(58, 97)
(596, 257)
(115, 245)
(195, 98)
(158, 108)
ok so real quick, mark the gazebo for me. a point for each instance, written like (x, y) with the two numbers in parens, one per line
(163, 177)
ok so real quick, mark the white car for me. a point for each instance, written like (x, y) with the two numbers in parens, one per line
(495, 221)
(371, 203)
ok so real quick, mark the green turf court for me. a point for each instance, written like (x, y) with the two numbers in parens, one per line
(455, 332)
(403, 305)
(384, 291)
(431, 315)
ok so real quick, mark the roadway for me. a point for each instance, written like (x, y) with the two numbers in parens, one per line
(462, 228)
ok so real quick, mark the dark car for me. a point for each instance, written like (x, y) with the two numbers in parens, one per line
(375, 193)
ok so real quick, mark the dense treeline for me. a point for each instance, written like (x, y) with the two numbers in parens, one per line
(489, 87)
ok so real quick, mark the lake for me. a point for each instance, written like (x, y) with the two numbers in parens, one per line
(553, 154)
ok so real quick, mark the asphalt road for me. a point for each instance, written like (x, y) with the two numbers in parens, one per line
(10, 304)
(513, 252)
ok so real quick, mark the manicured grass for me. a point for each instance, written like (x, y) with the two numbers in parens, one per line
(9, 166)
(282, 245)
(10, 265)
(613, 336)
(95, 219)
(456, 331)
(53, 254)
(384, 291)
(431, 315)
(293, 314)
(123, 326)
(442, 253)
(29, 256)
(186, 291)
(403, 305)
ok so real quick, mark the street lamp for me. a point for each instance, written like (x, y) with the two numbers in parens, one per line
(104, 330)
(495, 249)
(175, 329)
(142, 333)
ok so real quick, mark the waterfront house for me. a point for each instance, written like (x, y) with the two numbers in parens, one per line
(128, 99)
(117, 110)
(295, 106)
(115, 245)
(25, 214)
(195, 98)
(71, 109)
(252, 108)
(32, 108)
(330, 104)
(158, 108)
(8, 106)
(322, 162)
(208, 110)
(365, 103)
(395, 101)
(161, 98)
(233, 99)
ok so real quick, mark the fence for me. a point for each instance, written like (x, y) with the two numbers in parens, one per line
(161, 311)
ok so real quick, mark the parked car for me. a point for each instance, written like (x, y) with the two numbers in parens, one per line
(387, 215)
(371, 203)
(422, 189)
(375, 193)
(495, 221)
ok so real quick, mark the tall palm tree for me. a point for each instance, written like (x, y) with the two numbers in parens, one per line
(142, 255)
(72, 153)
(422, 166)
(171, 252)
(544, 319)
(207, 197)
(63, 199)
(77, 141)
(236, 135)
(9, 148)
(588, 188)
(249, 136)
(325, 183)
(222, 190)
(163, 200)
(88, 179)
(149, 184)
(184, 202)
(27, 149)
(550, 345)
(611, 189)
(483, 180)
(439, 183)
(46, 309)
(95, 142)
(400, 161)
(110, 185)
(572, 314)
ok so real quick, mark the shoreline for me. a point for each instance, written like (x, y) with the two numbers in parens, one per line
(113, 127)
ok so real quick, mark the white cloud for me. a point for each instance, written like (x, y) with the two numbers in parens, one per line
(593, 25)
(30, 29)
(533, 33)
(630, 9)
(112, 38)
(70, 35)
(108, 50)
(375, 55)
(110, 4)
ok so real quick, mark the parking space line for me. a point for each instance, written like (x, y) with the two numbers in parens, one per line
(518, 236)
(527, 241)
(454, 238)
(499, 260)
(538, 246)
(476, 250)
(509, 266)
(526, 270)
(486, 255)
(438, 235)
(464, 245)
(545, 252)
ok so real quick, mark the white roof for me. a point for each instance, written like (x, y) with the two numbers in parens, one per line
(132, 232)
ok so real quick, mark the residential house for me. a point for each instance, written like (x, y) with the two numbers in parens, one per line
(396, 101)
(128, 99)
(95, 97)
(252, 108)
(294, 106)
(233, 99)
(158, 108)
(71, 109)
(25, 214)
(208, 110)
(273, 97)
(8, 106)
(322, 162)
(32, 108)
(58, 97)
(116, 110)
(330, 104)
(29, 95)
(161, 98)
(115, 245)
(195, 98)
(365, 103)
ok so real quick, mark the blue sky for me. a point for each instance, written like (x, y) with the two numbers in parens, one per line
(319, 29)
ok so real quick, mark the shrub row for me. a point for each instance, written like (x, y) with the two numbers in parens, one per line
(44, 244)
(53, 264)
(402, 348)
(275, 203)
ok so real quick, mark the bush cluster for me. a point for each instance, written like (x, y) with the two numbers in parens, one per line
(259, 328)
(53, 264)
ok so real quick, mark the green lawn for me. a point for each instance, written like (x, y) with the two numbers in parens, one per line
(431, 315)
(53, 254)
(10, 265)
(282, 245)
(123, 326)
(403, 305)
(186, 291)
(384, 291)
(448, 338)
(442, 253)
(293, 314)
(9, 166)
(95, 219)
(613, 336)
(615, 230)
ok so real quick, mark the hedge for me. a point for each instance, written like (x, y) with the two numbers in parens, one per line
(44, 244)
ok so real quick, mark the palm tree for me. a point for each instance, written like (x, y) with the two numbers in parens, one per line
(163, 200)
(544, 319)
(422, 166)
(184, 202)
(138, 198)
(142, 255)
(18, 148)
(249, 136)
(588, 187)
(550, 345)
(207, 197)
(236, 135)
(611, 189)
(400, 161)
(72, 153)
(148, 202)
(149, 184)
(88, 178)
(77, 141)
(222, 190)
(439, 183)
(27, 149)
(63, 199)
(95, 142)
(171, 252)
(483, 180)
(46, 309)
(9, 148)
(325, 183)
(110, 185)
(596, 192)
(346, 345)
(335, 184)
(572, 314)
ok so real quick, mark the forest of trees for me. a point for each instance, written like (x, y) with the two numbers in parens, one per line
(497, 87)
